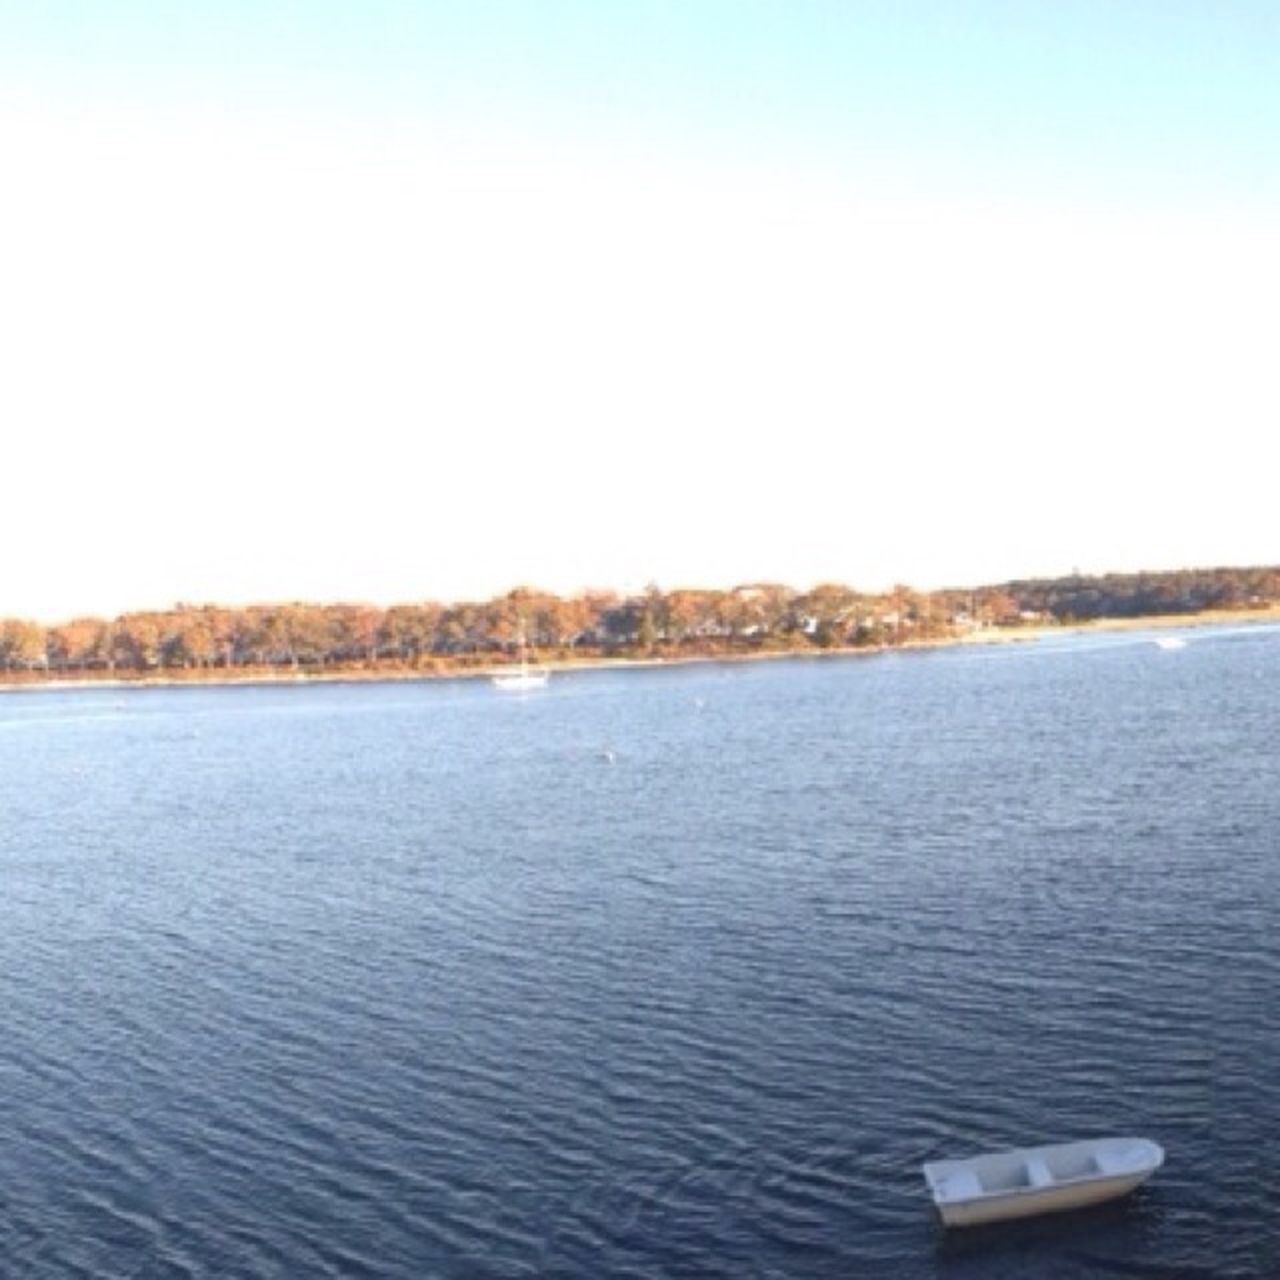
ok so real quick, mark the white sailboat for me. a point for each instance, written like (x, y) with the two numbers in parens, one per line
(523, 677)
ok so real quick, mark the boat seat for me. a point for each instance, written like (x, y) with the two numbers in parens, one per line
(1038, 1172)
(959, 1184)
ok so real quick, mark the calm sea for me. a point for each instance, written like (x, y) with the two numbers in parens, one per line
(655, 973)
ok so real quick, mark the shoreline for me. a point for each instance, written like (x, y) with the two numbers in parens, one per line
(986, 635)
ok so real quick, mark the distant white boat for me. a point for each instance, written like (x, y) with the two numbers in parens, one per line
(1032, 1180)
(1170, 642)
(526, 677)
(523, 677)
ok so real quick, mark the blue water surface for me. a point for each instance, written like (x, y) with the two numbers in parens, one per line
(656, 972)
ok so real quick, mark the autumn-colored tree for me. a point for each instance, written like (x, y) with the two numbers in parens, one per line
(308, 633)
(505, 620)
(354, 631)
(22, 644)
(408, 631)
(686, 615)
(72, 644)
(189, 641)
(226, 628)
(651, 618)
(137, 640)
(274, 636)
(462, 629)
(567, 621)
(997, 606)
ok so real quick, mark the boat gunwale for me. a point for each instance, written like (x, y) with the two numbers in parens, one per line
(1014, 1193)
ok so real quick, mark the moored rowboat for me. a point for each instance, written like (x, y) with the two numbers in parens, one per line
(1032, 1180)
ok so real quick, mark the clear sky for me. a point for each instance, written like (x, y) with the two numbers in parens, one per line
(395, 300)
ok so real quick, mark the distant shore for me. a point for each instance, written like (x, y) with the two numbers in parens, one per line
(443, 670)
(1034, 631)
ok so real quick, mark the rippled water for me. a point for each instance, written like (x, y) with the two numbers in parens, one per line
(664, 972)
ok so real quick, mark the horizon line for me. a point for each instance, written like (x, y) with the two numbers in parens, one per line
(624, 594)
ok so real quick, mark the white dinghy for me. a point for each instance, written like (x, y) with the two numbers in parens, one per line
(1031, 1180)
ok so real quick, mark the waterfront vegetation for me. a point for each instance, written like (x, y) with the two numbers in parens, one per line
(213, 641)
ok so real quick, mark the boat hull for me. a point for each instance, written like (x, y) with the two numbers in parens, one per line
(1031, 1204)
(517, 683)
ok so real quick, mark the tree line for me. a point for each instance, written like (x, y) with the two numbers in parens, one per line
(431, 636)
(1143, 595)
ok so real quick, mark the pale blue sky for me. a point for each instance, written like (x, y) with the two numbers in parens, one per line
(1162, 94)
(437, 298)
